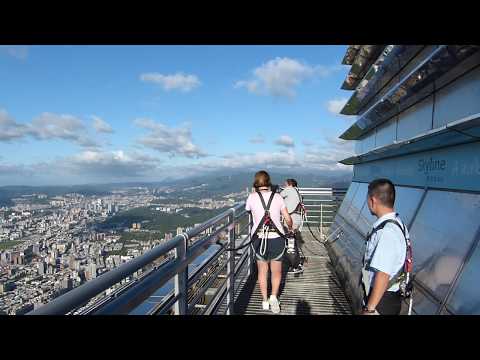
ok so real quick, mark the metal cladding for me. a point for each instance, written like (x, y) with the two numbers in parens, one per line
(382, 72)
(364, 58)
(350, 55)
(418, 126)
(411, 88)
(459, 132)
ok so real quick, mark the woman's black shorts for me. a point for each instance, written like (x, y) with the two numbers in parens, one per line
(275, 249)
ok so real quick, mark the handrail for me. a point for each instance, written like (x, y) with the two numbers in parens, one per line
(123, 300)
(82, 294)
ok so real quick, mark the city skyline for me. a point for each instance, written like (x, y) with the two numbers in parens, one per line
(102, 114)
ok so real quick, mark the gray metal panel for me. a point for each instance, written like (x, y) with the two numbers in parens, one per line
(358, 148)
(368, 142)
(386, 133)
(455, 133)
(350, 54)
(385, 76)
(415, 120)
(365, 57)
(459, 99)
(455, 167)
(415, 86)
(404, 69)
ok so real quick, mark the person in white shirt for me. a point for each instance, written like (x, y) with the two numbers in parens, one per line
(293, 201)
(268, 243)
(385, 252)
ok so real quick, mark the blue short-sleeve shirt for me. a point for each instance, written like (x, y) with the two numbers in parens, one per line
(390, 252)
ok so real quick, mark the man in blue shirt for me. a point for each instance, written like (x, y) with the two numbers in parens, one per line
(385, 252)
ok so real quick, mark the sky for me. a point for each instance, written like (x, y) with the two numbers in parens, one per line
(93, 114)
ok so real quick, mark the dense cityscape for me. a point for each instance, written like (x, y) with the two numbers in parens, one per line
(50, 245)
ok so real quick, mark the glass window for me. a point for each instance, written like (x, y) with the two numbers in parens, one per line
(351, 245)
(406, 202)
(445, 312)
(365, 220)
(422, 304)
(357, 203)
(354, 243)
(466, 297)
(348, 198)
(441, 234)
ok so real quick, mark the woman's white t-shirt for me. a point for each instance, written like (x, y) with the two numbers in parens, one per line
(254, 205)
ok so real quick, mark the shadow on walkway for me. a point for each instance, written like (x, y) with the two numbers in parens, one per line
(303, 308)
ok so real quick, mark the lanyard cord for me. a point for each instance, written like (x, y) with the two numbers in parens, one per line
(263, 243)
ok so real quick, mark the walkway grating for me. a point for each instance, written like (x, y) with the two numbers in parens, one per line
(315, 292)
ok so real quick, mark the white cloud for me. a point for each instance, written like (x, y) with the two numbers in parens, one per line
(7, 170)
(18, 51)
(258, 139)
(120, 165)
(280, 77)
(46, 126)
(49, 126)
(264, 159)
(174, 141)
(86, 166)
(101, 126)
(178, 81)
(336, 105)
(285, 140)
(10, 129)
(112, 164)
(327, 155)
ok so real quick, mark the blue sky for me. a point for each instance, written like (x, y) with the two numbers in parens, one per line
(79, 114)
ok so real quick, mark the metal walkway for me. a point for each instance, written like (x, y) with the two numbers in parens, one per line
(223, 283)
(315, 292)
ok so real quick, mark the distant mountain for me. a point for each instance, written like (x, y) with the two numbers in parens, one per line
(12, 191)
(238, 181)
(213, 184)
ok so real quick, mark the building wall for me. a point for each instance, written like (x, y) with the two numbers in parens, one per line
(456, 99)
(440, 204)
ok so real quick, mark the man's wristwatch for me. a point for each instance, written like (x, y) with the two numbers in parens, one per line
(367, 310)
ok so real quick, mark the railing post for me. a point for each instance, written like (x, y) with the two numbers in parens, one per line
(231, 264)
(321, 220)
(181, 279)
(249, 248)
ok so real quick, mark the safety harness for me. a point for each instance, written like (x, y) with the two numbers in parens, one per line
(266, 225)
(302, 211)
(404, 275)
(294, 253)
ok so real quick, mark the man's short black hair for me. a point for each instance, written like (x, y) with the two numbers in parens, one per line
(383, 190)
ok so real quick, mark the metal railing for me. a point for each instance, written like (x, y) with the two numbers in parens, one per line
(321, 205)
(222, 227)
(222, 270)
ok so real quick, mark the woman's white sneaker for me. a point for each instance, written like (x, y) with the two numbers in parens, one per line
(265, 305)
(274, 304)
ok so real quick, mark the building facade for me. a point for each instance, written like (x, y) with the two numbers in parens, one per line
(418, 124)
